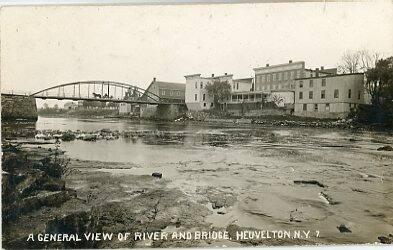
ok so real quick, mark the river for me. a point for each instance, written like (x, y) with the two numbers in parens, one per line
(255, 169)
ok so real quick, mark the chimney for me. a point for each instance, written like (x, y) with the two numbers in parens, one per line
(226, 74)
(267, 65)
(212, 75)
(316, 72)
(322, 68)
(290, 61)
(154, 79)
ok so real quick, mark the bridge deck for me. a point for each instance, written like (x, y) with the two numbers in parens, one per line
(107, 100)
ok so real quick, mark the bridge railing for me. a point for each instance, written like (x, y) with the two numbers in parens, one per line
(15, 92)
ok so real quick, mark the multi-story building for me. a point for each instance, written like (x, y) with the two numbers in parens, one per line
(328, 96)
(197, 97)
(282, 76)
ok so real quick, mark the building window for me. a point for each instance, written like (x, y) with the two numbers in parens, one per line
(178, 93)
(211, 104)
(300, 95)
(196, 97)
(292, 74)
(310, 95)
(349, 93)
(196, 85)
(311, 83)
(204, 97)
(163, 92)
(279, 76)
(237, 85)
(305, 107)
(323, 82)
(336, 93)
(263, 78)
(298, 74)
(322, 94)
(359, 94)
(327, 107)
(301, 84)
(204, 104)
(201, 85)
(316, 107)
(274, 77)
(233, 86)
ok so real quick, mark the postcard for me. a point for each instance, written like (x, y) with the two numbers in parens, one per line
(186, 124)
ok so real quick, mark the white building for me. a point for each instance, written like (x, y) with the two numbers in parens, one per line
(196, 95)
(330, 96)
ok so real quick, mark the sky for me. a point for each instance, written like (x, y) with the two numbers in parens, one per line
(43, 46)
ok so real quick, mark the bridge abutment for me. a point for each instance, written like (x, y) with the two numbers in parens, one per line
(163, 111)
(18, 107)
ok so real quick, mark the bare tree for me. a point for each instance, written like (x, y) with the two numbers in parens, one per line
(368, 59)
(357, 61)
(349, 62)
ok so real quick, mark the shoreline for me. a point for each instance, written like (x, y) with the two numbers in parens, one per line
(266, 121)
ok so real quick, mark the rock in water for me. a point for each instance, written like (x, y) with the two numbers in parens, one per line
(385, 148)
(344, 229)
(157, 175)
(386, 240)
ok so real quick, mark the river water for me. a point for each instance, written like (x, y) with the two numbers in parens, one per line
(256, 167)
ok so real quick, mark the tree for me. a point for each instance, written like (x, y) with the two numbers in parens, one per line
(379, 83)
(367, 60)
(357, 61)
(349, 62)
(220, 91)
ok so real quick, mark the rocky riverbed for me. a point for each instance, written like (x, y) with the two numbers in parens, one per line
(318, 187)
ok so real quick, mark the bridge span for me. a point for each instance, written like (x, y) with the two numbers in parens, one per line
(102, 91)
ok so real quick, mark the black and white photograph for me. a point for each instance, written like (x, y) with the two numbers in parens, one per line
(196, 124)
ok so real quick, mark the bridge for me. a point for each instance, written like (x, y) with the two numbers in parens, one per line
(102, 91)
(23, 106)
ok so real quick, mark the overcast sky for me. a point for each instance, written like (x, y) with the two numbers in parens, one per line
(45, 46)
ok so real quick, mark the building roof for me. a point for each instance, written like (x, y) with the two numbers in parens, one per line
(333, 75)
(168, 85)
(279, 65)
(192, 75)
(209, 77)
(325, 71)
